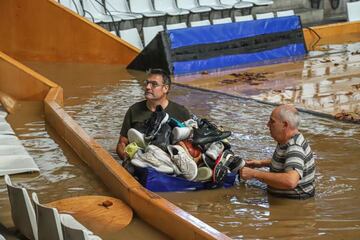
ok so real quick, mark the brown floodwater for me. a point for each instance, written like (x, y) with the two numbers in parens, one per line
(97, 96)
(62, 173)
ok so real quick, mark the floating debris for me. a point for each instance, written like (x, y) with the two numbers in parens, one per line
(229, 81)
(204, 72)
(106, 204)
(248, 77)
(356, 52)
(357, 86)
(277, 90)
(348, 116)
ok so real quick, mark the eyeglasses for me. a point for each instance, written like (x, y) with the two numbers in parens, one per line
(153, 84)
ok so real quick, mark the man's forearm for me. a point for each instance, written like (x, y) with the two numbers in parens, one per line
(286, 181)
(120, 148)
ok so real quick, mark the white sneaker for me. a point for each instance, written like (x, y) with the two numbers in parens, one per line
(180, 133)
(203, 175)
(136, 137)
(183, 161)
(147, 159)
(163, 157)
(215, 149)
(191, 123)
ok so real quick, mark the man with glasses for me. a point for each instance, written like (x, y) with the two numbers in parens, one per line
(156, 87)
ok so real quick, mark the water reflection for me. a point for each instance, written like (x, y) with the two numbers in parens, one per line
(246, 210)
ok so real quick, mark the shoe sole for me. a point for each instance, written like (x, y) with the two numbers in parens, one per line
(136, 137)
(204, 174)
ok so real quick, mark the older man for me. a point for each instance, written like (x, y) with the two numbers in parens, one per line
(156, 86)
(292, 167)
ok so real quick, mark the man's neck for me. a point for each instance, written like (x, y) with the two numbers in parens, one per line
(288, 135)
(151, 104)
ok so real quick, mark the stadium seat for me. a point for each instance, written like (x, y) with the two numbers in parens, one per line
(132, 36)
(261, 2)
(215, 4)
(22, 211)
(73, 5)
(244, 18)
(49, 222)
(200, 23)
(95, 11)
(221, 20)
(146, 8)
(285, 13)
(353, 11)
(176, 26)
(73, 230)
(265, 15)
(150, 33)
(193, 6)
(120, 7)
(237, 4)
(170, 7)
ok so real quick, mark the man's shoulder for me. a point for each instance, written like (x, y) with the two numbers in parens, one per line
(297, 139)
(138, 105)
(175, 105)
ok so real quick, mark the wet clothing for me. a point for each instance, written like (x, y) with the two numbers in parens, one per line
(295, 155)
(138, 113)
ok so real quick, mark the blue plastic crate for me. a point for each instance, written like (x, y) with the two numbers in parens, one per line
(160, 182)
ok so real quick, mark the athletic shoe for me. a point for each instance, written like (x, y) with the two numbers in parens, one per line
(222, 166)
(203, 175)
(215, 149)
(210, 163)
(208, 132)
(162, 138)
(153, 124)
(136, 137)
(191, 123)
(180, 133)
(183, 161)
(148, 159)
(236, 164)
(131, 149)
(226, 144)
(192, 150)
(163, 157)
(173, 122)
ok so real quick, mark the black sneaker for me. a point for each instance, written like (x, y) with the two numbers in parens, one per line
(162, 138)
(207, 133)
(236, 164)
(210, 163)
(153, 124)
(222, 166)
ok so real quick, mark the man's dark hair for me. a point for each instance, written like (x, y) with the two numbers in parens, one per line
(165, 75)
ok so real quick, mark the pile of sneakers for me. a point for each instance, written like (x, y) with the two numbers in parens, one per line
(195, 149)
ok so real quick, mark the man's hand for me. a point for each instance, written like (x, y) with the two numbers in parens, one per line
(247, 173)
(251, 163)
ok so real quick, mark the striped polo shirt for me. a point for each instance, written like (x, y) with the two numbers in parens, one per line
(296, 155)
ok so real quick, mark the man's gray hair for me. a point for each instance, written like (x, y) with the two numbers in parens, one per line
(289, 114)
